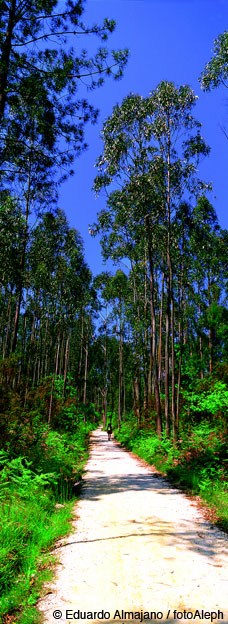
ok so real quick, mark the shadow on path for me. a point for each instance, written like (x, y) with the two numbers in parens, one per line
(188, 540)
(194, 535)
(93, 488)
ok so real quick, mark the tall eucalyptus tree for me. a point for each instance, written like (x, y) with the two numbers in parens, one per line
(151, 152)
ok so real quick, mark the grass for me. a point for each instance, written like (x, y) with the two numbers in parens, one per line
(39, 465)
(28, 529)
(35, 511)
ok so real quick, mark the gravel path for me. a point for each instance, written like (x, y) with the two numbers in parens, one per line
(138, 545)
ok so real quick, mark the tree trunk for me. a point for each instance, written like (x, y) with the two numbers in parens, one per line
(168, 289)
(44, 358)
(210, 332)
(5, 344)
(181, 348)
(85, 374)
(53, 380)
(120, 401)
(160, 335)
(200, 337)
(80, 358)
(6, 49)
(34, 371)
(106, 374)
(62, 353)
(22, 262)
(65, 365)
(137, 409)
(173, 358)
(144, 346)
(38, 371)
(124, 399)
(137, 374)
(153, 334)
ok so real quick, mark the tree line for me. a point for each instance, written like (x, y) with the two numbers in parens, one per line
(46, 288)
(163, 313)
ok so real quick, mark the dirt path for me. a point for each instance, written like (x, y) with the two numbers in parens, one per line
(138, 545)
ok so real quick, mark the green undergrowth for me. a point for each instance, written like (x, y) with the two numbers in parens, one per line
(40, 468)
(198, 462)
(28, 529)
(35, 511)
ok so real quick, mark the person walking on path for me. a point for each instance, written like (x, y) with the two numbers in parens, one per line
(109, 431)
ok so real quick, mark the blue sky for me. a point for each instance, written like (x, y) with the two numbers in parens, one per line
(168, 40)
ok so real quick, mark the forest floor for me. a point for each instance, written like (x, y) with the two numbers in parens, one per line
(138, 544)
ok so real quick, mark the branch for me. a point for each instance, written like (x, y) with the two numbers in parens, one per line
(47, 73)
(57, 34)
(39, 17)
(224, 131)
(99, 71)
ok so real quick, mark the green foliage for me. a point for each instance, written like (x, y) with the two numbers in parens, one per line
(45, 109)
(216, 70)
(28, 528)
(29, 518)
(212, 401)
(38, 468)
(147, 445)
(128, 431)
(16, 474)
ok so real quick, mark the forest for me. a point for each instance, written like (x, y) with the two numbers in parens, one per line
(144, 346)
